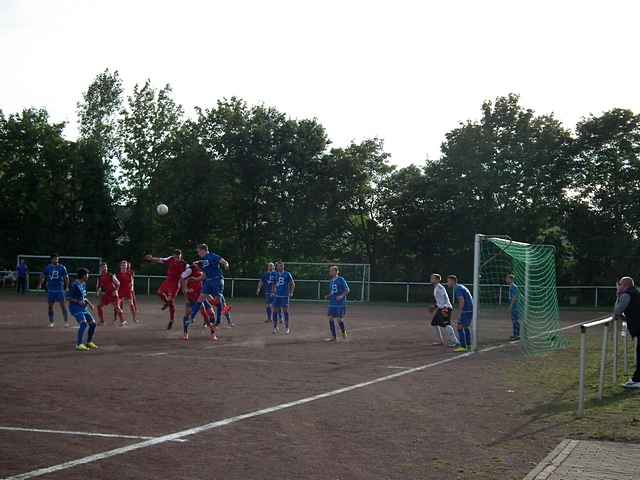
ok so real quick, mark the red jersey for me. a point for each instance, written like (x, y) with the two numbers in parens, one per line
(106, 283)
(126, 282)
(194, 283)
(175, 269)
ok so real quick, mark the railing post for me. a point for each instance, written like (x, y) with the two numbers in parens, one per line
(614, 375)
(625, 334)
(603, 359)
(148, 286)
(583, 363)
(233, 287)
(407, 293)
(596, 301)
(318, 289)
(500, 295)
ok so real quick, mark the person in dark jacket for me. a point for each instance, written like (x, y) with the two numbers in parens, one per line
(628, 307)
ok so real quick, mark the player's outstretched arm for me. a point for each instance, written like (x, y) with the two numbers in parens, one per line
(150, 258)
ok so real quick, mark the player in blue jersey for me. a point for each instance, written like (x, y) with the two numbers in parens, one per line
(338, 291)
(462, 295)
(78, 304)
(57, 280)
(211, 264)
(513, 307)
(265, 285)
(282, 289)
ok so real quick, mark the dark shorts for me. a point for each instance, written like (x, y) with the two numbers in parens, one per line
(442, 318)
(279, 302)
(336, 311)
(53, 297)
(213, 286)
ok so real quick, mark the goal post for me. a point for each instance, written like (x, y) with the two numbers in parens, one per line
(534, 295)
(36, 264)
(312, 279)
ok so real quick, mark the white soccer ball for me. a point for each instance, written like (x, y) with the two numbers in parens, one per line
(162, 209)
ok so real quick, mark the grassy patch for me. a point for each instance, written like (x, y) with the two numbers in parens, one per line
(548, 386)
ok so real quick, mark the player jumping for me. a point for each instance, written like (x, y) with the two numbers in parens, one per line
(78, 303)
(442, 308)
(338, 291)
(107, 290)
(213, 285)
(465, 307)
(171, 286)
(265, 284)
(57, 280)
(282, 288)
(126, 290)
(192, 279)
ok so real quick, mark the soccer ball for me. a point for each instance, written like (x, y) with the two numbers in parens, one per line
(162, 209)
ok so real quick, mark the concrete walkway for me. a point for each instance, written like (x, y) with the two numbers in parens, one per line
(589, 460)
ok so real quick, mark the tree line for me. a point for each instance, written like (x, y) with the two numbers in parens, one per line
(258, 185)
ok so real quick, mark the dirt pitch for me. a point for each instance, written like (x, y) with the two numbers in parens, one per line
(452, 420)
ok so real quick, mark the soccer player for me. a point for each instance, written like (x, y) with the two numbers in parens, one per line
(192, 279)
(465, 307)
(212, 265)
(22, 271)
(338, 291)
(442, 308)
(126, 289)
(78, 303)
(513, 307)
(282, 289)
(265, 284)
(171, 286)
(57, 279)
(107, 290)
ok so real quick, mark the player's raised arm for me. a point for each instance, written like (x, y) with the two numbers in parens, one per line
(150, 258)
(224, 263)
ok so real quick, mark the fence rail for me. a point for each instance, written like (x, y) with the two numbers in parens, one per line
(404, 292)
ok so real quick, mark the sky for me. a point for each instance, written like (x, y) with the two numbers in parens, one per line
(404, 71)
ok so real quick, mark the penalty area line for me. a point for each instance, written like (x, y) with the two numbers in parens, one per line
(82, 434)
(227, 421)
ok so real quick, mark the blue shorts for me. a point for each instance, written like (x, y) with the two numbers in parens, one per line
(268, 298)
(53, 297)
(213, 286)
(465, 319)
(515, 314)
(82, 315)
(336, 311)
(279, 302)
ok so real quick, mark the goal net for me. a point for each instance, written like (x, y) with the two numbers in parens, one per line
(530, 301)
(36, 264)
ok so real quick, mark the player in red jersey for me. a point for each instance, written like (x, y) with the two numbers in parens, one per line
(107, 289)
(126, 290)
(192, 279)
(171, 286)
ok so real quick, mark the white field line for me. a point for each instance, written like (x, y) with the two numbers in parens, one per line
(221, 423)
(227, 421)
(72, 432)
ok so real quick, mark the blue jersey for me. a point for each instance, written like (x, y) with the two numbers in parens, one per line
(77, 292)
(267, 280)
(462, 291)
(338, 287)
(22, 270)
(282, 281)
(211, 266)
(55, 276)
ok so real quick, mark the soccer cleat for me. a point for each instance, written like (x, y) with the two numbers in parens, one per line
(66, 324)
(122, 324)
(331, 339)
(275, 331)
(213, 337)
(92, 345)
(460, 350)
(631, 385)
(51, 324)
(344, 335)
(287, 331)
(437, 343)
(185, 337)
(165, 306)
(81, 348)
(513, 338)
(267, 321)
(170, 324)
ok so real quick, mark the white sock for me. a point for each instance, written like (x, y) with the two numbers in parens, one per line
(451, 336)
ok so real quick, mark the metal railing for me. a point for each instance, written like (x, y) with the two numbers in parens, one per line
(404, 292)
(606, 323)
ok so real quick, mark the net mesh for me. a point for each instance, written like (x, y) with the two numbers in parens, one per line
(532, 301)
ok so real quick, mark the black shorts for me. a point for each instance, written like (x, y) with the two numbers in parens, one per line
(442, 318)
